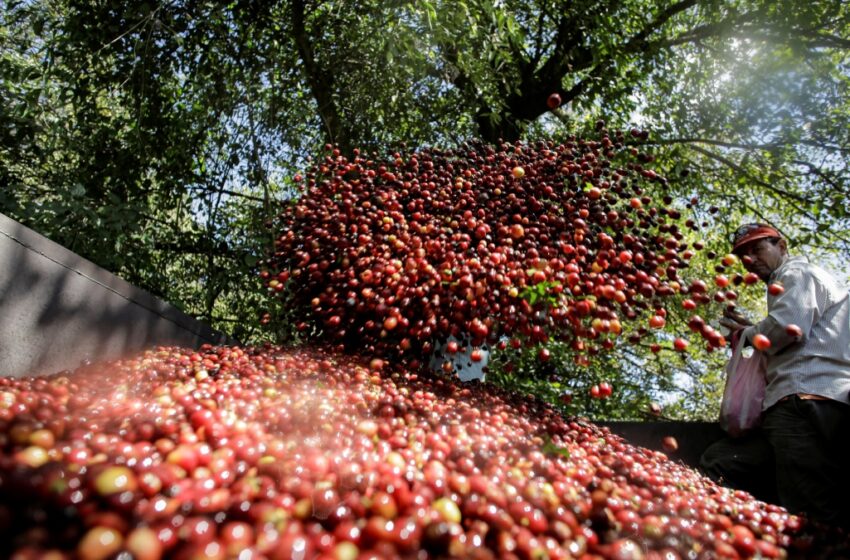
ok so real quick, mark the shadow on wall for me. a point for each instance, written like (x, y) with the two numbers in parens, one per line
(58, 310)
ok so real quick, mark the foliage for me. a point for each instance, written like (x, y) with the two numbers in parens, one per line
(157, 139)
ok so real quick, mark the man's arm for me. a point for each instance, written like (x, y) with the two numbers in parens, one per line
(796, 305)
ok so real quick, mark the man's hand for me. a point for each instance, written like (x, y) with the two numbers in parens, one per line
(733, 320)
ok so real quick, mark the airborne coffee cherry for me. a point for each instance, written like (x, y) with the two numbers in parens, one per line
(775, 289)
(794, 331)
(536, 242)
(761, 342)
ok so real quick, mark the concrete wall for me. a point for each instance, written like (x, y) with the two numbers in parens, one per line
(58, 309)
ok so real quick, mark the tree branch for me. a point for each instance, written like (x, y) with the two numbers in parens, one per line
(741, 145)
(230, 193)
(826, 40)
(464, 83)
(321, 82)
(538, 40)
(740, 170)
(639, 40)
(559, 63)
(200, 246)
(815, 170)
(699, 33)
(815, 39)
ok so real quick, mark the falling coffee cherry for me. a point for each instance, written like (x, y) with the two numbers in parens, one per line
(761, 342)
(696, 323)
(751, 278)
(775, 289)
(455, 235)
(794, 331)
(554, 101)
(670, 444)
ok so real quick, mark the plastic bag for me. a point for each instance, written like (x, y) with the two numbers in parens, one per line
(743, 396)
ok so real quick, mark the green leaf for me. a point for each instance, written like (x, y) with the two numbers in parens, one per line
(550, 448)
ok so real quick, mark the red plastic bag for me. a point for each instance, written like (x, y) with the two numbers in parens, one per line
(743, 396)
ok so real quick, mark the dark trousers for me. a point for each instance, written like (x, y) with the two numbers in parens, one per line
(799, 458)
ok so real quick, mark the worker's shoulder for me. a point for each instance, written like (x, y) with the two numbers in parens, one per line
(801, 268)
(798, 265)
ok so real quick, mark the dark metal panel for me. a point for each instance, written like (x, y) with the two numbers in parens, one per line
(692, 437)
(58, 309)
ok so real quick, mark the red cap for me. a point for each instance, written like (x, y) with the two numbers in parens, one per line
(752, 232)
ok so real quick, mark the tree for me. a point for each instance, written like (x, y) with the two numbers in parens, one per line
(747, 94)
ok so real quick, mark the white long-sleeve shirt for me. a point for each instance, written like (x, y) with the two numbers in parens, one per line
(818, 362)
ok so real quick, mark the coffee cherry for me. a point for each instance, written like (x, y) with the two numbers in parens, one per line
(775, 289)
(395, 254)
(114, 480)
(794, 331)
(761, 342)
(310, 452)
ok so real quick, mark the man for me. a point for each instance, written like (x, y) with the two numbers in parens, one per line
(806, 419)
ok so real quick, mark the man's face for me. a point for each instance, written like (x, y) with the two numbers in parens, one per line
(763, 256)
